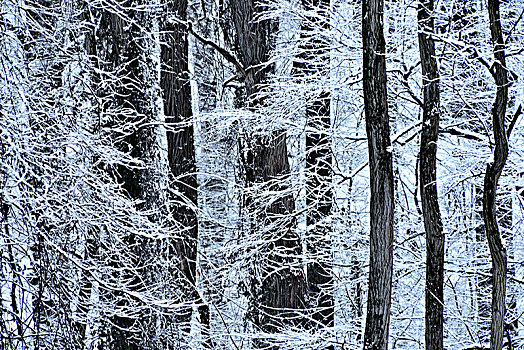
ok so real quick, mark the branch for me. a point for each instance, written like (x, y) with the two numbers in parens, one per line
(462, 45)
(230, 79)
(482, 61)
(226, 54)
(464, 133)
(514, 26)
(394, 140)
(514, 121)
(405, 76)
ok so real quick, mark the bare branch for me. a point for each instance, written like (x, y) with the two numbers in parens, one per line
(226, 54)
(514, 121)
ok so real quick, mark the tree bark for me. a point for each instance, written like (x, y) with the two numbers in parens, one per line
(493, 171)
(434, 318)
(279, 292)
(314, 61)
(176, 89)
(381, 177)
(130, 108)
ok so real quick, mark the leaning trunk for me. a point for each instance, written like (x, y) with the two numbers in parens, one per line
(493, 171)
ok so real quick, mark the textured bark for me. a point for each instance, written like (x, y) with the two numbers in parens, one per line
(176, 89)
(493, 171)
(130, 109)
(314, 61)
(434, 333)
(277, 295)
(125, 53)
(381, 177)
(483, 278)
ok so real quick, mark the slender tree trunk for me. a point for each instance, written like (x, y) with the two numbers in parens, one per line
(279, 292)
(483, 279)
(428, 180)
(493, 171)
(381, 177)
(176, 89)
(314, 61)
(84, 294)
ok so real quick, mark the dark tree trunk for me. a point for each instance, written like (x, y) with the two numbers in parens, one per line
(493, 171)
(265, 161)
(428, 180)
(483, 278)
(381, 177)
(314, 61)
(129, 110)
(176, 89)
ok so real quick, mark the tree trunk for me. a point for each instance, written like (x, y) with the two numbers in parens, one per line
(314, 61)
(493, 171)
(381, 177)
(279, 292)
(130, 110)
(428, 180)
(176, 89)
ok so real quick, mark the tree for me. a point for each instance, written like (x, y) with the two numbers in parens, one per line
(381, 177)
(129, 90)
(178, 110)
(428, 180)
(278, 292)
(493, 171)
(313, 61)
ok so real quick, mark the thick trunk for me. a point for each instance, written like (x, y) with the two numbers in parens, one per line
(428, 180)
(381, 177)
(131, 107)
(176, 89)
(314, 61)
(493, 171)
(280, 290)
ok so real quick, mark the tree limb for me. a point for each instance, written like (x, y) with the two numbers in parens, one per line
(514, 121)
(226, 54)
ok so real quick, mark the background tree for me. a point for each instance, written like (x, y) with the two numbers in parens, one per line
(178, 110)
(428, 180)
(313, 62)
(278, 289)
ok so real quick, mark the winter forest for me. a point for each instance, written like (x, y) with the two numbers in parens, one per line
(261, 174)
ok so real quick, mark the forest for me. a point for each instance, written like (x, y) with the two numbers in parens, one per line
(261, 174)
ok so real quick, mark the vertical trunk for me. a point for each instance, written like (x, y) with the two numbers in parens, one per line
(124, 54)
(314, 61)
(279, 292)
(176, 89)
(131, 114)
(493, 171)
(428, 180)
(91, 244)
(84, 295)
(381, 176)
(483, 279)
